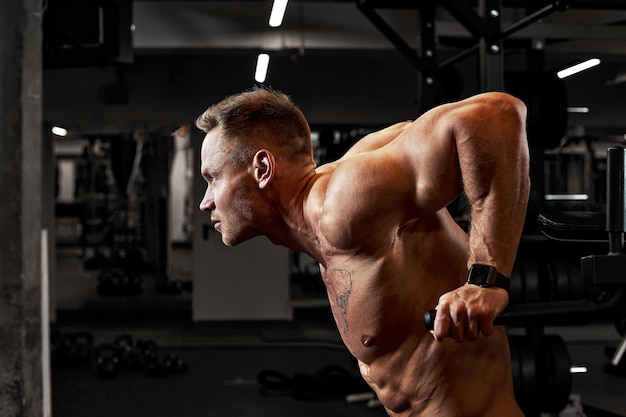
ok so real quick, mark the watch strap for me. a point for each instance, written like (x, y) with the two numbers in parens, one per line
(487, 276)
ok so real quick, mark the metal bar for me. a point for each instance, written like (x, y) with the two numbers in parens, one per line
(528, 20)
(615, 198)
(460, 56)
(428, 52)
(549, 313)
(619, 353)
(578, 4)
(391, 4)
(427, 31)
(491, 63)
(466, 16)
(405, 49)
(547, 30)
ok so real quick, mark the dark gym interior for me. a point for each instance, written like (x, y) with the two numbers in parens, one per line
(151, 315)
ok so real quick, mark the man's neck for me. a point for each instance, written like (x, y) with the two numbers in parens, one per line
(292, 227)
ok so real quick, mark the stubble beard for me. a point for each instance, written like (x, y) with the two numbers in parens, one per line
(240, 228)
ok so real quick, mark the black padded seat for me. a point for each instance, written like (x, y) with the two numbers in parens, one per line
(574, 226)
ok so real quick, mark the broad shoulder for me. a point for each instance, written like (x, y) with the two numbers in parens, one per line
(407, 171)
(362, 198)
(491, 101)
(475, 110)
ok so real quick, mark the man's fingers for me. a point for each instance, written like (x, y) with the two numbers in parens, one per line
(458, 324)
(459, 320)
(472, 330)
(441, 328)
(457, 332)
(486, 326)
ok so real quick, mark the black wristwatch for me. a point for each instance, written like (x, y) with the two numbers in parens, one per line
(487, 276)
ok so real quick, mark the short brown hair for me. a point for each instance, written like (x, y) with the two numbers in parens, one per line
(259, 116)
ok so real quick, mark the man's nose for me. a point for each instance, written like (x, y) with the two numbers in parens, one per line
(207, 203)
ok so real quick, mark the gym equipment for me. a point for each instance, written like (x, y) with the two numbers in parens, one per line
(617, 363)
(554, 379)
(106, 361)
(544, 313)
(231, 390)
(604, 274)
(125, 353)
(540, 363)
(541, 373)
(130, 357)
(168, 365)
(116, 281)
(71, 349)
(175, 363)
(148, 350)
(524, 372)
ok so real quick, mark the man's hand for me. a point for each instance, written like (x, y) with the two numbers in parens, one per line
(468, 311)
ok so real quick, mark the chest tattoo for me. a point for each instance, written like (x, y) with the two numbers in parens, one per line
(343, 279)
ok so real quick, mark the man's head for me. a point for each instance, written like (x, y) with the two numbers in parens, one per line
(248, 136)
(258, 118)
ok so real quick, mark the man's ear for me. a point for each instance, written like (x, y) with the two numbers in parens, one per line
(264, 166)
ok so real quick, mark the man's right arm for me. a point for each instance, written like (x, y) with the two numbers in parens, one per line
(479, 146)
(490, 140)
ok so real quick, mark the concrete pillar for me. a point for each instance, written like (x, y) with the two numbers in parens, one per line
(21, 370)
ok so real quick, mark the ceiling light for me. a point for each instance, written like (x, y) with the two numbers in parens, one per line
(59, 131)
(580, 109)
(566, 197)
(578, 68)
(278, 12)
(262, 63)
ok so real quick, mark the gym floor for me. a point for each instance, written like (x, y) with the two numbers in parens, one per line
(223, 361)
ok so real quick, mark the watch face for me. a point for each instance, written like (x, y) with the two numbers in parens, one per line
(480, 274)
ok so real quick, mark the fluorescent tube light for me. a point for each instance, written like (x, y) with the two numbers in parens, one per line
(574, 69)
(59, 131)
(581, 109)
(278, 12)
(262, 63)
(566, 197)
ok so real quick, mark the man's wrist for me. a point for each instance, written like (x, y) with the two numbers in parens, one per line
(487, 276)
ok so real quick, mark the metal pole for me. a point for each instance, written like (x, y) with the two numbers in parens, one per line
(491, 64)
(615, 183)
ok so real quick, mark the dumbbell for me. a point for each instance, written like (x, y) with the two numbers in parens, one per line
(106, 360)
(130, 357)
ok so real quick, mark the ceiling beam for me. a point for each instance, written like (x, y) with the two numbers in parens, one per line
(547, 31)
(577, 4)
